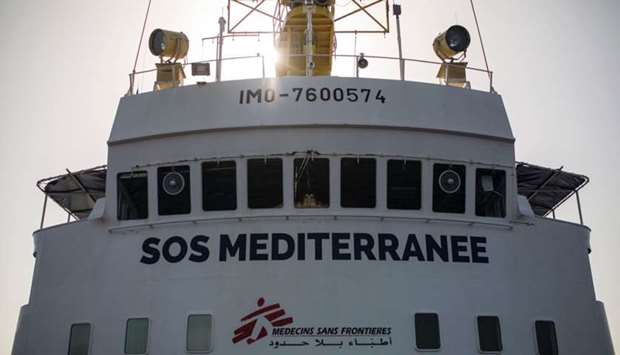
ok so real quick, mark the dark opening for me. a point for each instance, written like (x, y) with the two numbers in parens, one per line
(490, 193)
(79, 339)
(358, 182)
(546, 338)
(132, 197)
(219, 186)
(404, 180)
(311, 184)
(137, 336)
(427, 331)
(489, 333)
(173, 193)
(265, 183)
(449, 188)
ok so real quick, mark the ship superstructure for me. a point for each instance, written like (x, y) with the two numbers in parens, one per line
(312, 214)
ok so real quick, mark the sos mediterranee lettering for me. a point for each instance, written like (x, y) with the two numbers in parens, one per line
(249, 247)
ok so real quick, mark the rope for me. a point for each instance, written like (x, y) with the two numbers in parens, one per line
(484, 53)
(135, 64)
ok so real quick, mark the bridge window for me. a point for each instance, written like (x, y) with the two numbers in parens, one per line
(489, 334)
(311, 184)
(404, 180)
(173, 194)
(490, 193)
(132, 196)
(546, 338)
(79, 340)
(265, 183)
(427, 331)
(199, 328)
(137, 336)
(219, 186)
(358, 182)
(449, 188)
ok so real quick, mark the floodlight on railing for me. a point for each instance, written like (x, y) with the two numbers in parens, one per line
(170, 47)
(451, 47)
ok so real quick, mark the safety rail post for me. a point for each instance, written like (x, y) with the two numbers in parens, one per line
(579, 207)
(44, 211)
(220, 48)
(262, 58)
(132, 78)
(397, 11)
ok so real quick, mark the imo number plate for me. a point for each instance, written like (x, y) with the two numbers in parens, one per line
(311, 95)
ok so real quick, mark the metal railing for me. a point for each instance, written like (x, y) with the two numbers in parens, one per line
(357, 72)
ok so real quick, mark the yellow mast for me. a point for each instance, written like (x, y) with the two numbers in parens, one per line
(306, 42)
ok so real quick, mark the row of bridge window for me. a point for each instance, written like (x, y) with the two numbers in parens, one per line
(427, 335)
(311, 187)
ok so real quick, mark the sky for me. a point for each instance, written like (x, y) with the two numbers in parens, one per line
(66, 65)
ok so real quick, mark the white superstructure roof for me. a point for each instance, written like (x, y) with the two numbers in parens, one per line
(408, 105)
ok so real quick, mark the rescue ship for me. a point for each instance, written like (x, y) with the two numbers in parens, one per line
(312, 214)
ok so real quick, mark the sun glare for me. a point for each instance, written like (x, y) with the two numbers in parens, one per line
(267, 49)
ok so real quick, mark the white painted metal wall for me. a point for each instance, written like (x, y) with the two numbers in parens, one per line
(90, 271)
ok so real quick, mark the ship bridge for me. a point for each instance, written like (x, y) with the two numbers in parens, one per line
(293, 117)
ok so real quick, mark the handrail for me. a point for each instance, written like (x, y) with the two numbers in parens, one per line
(335, 56)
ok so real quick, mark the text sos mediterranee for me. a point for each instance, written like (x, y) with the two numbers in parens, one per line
(248, 247)
(353, 95)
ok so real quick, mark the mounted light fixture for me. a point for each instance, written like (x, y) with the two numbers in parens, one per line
(451, 47)
(362, 62)
(168, 45)
(451, 43)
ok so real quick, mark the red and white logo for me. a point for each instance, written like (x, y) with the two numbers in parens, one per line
(258, 324)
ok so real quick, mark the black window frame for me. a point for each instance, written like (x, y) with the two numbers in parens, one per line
(177, 204)
(501, 192)
(322, 179)
(413, 202)
(229, 195)
(146, 345)
(541, 347)
(121, 213)
(256, 182)
(71, 339)
(420, 331)
(348, 189)
(444, 201)
(496, 345)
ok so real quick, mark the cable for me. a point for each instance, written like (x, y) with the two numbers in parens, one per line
(484, 54)
(135, 64)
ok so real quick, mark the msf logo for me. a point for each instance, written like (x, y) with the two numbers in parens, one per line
(256, 323)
